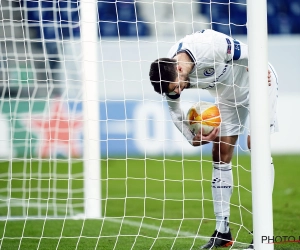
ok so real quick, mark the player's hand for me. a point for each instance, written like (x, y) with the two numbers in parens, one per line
(269, 76)
(201, 139)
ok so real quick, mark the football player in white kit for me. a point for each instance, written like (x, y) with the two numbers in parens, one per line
(218, 63)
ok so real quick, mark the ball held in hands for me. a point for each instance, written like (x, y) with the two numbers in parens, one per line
(203, 116)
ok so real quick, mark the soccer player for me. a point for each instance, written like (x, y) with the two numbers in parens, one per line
(218, 63)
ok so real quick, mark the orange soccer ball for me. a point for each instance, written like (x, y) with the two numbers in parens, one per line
(205, 116)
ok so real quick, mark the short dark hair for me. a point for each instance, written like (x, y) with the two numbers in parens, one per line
(162, 72)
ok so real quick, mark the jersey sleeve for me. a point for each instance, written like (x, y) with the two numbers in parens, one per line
(236, 49)
(220, 47)
(178, 119)
(240, 50)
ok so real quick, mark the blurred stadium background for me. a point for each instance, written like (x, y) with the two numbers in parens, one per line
(142, 151)
(40, 55)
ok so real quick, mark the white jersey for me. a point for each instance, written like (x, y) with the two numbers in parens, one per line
(220, 66)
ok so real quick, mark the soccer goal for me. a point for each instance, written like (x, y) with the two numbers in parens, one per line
(90, 158)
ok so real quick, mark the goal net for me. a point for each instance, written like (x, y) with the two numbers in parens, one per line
(151, 189)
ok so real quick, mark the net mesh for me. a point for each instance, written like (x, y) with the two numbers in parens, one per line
(156, 188)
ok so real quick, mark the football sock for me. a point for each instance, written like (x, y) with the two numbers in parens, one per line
(222, 224)
(221, 193)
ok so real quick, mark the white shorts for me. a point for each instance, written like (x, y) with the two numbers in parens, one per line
(234, 117)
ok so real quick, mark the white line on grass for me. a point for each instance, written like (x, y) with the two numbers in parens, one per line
(155, 228)
(79, 215)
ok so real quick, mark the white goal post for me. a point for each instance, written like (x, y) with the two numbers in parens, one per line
(90, 153)
(260, 135)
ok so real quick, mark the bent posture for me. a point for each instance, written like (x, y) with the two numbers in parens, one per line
(213, 61)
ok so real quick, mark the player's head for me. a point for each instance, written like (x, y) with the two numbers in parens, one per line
(162, 73)
(168, 76)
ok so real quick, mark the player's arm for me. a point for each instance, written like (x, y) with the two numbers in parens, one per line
(269, 77)
(226, 49)
(229, 49)
(177, 116)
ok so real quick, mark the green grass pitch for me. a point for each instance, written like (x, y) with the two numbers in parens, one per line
(147, 204)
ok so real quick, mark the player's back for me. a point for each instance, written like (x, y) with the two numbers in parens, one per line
(214, 70)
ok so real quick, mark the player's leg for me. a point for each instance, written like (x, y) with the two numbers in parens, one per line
(222, 187)
(233, 120)
(222, 180)
(271, 163)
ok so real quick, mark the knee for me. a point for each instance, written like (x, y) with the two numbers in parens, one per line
(223, 149)
(222, 154)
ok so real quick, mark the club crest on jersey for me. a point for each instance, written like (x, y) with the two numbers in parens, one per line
(209, 71)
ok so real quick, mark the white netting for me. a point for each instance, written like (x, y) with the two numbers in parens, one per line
(156, 188)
